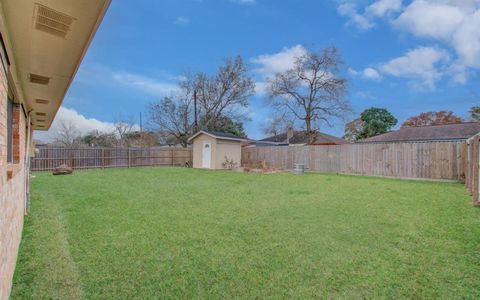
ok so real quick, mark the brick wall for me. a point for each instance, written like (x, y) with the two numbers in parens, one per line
(3, 119)
(12, 190)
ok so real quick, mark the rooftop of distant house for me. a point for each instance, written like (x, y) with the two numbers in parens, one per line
(459, 131)
(301, 137)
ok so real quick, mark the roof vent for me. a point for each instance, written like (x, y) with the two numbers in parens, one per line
(40, 114)
(52, 21)
(34, 78)
(41, 101)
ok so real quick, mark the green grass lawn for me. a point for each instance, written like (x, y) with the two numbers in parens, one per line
(183, 233)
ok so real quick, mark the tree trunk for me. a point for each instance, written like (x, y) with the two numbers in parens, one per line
(310, 133)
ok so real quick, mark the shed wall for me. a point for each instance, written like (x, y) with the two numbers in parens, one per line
(230, 149)
(198, 150)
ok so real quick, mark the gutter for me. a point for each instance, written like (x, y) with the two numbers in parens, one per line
(27, 163)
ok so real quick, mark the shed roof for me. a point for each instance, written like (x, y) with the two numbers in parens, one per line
(461, 131)
(218, 135)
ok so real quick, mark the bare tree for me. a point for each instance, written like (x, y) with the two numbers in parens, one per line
(353, 130)
(143, 139)
(223, 95)
(66, 134)
(226, 93)
(123, 126)
(173, 116)
(277, 125)
(312, 91)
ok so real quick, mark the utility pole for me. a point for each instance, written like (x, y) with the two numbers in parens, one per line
(195, 109)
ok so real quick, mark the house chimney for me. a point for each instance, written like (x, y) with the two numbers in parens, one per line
(289, 134)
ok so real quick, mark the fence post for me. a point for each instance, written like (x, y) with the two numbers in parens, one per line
(72, 160)
(129, 157)
(150, 156)
(476, 195)
(103, 158)
(171, 154)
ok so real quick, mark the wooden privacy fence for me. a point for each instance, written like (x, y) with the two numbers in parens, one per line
(425, 160)
(472, 172)
(90, 158)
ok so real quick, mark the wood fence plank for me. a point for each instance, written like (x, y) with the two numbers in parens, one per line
(432, 160)
(46, 159)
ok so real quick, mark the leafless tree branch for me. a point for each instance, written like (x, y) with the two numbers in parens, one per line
(312, 90)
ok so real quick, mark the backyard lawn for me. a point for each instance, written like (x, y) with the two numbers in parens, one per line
(184, 233)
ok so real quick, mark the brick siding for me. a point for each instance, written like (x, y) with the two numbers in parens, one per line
(12, 190)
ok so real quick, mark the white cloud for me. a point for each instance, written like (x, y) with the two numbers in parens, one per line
(423, 66)
(83, 124)
(358, 20)
(364, 20)
(145, 84)
(244, 2)
(430, 19)
(270, 64)
(353, 72)
(459, 73)
(453, 23)
(158, 83)
(182, 20)
(365, 95)
(261, 88)
(371, 73)
(382, 8)
(466, 40)
(367, 73)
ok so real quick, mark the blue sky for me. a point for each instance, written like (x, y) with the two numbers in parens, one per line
(408, 57)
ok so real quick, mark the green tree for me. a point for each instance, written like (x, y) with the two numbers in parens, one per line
(475, 113)
(224, 124)
(376, 121)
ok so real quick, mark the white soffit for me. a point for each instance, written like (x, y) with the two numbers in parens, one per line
(48, 39)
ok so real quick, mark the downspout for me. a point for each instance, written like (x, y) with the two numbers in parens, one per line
(27, 164)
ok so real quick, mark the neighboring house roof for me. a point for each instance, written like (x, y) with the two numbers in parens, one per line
(300, 137)
(461, 131)
(218, 135)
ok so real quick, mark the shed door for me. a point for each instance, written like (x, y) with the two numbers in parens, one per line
(207, 155)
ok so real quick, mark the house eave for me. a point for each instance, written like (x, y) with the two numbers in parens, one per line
(34, 51)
